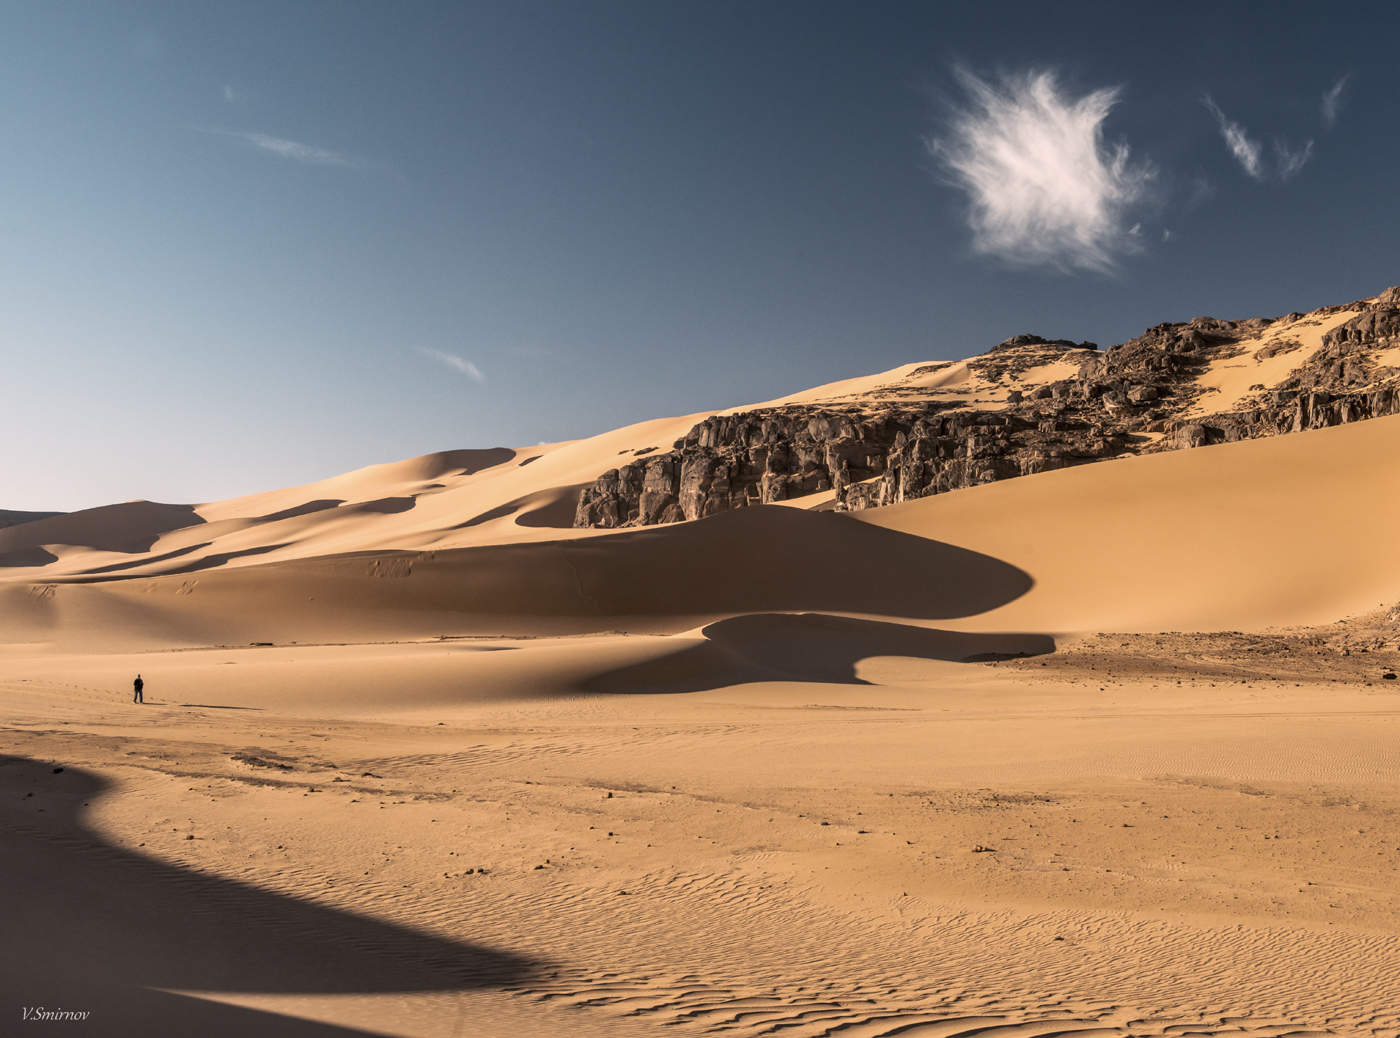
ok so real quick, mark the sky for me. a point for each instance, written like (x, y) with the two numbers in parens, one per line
(252, 245)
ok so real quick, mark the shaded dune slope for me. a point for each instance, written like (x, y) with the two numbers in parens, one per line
(656, 580)
(133, 924)
(130, 527)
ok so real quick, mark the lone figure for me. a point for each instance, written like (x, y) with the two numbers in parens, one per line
(137, 686)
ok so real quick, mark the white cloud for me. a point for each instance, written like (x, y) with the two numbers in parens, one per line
(296, 151)
(458, 364)
(1291, 160)
(1043, 186)
(1288, 160)
(1246, 150)
(1332, 102)
(230, 95)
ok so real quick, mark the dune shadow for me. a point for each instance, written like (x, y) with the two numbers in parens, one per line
(118, 567)
(211, 561)
(384, 505)
(470, 461)
(215, 706)
(805, 647)
(98, 927)
(549, 509)
(24, 558)
(12, 517)
(296, 511)
(554, 509)
(485, 517)
(773, 559)
(657, 580)
(131, 528)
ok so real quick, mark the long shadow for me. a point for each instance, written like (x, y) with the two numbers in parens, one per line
(96, 927)
(132, 527)
(218, 558)
(753, 560)
(117, 567)
(805, 647)
(384, 505)
(25, 558)
(211, 706)
(468, 462)
(307, 508)
(553, 509)
(785, 559)
(11, 517)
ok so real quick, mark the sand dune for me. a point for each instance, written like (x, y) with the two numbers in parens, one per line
(419, 758)
(1289, 530)
(468, 498)
(131, 528)
(1292, 530)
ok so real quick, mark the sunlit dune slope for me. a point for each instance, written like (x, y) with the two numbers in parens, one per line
(450, 499)
(1291, 530)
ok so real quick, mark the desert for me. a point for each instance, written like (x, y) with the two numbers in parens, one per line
(1108, 748)
(765, 519)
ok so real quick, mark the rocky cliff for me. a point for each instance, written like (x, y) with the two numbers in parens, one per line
(1029, 405)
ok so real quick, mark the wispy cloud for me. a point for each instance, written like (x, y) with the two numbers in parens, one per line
(1291, 160)
(294, 151)
(1332, 102)
(458, 364)
(1247, 151)
(1043, 186)
(230, 94)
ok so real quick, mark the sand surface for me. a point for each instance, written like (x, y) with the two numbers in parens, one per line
(418, 759)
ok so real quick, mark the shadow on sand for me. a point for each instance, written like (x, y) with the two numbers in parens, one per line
(132, 527)
(96, 927)
(805, 647)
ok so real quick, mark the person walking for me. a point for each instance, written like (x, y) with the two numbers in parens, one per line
(137, 686)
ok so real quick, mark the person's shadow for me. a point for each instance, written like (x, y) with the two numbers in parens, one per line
(90, 926)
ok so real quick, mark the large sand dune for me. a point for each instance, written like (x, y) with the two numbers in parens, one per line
(1290, 530)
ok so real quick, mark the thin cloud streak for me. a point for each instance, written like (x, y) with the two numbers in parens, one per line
(1247, 151)
(295, 151)
(1332, 102)
(458, 364)
(1291, 160)
(1043, 187)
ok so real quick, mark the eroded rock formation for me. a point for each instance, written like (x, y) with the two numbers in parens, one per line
(918, 437)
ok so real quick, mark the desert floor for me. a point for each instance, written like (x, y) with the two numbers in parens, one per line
(779, 771)
(1137, 835)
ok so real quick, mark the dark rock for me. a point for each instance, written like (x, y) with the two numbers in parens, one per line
(1138, 397)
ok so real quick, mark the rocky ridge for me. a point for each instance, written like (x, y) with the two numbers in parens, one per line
(1002, 418)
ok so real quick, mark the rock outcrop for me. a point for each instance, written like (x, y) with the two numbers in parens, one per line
(1028, 405)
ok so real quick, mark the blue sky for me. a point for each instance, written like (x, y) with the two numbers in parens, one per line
(250, 245)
